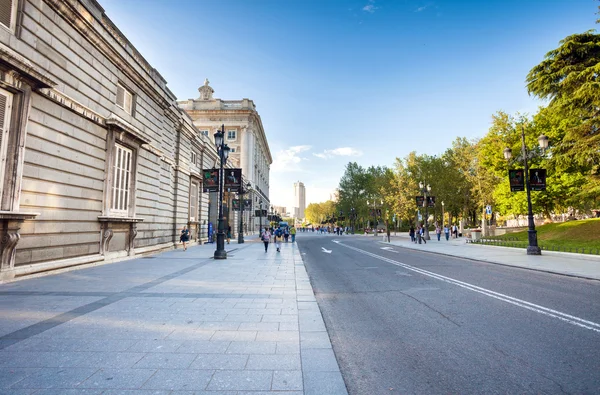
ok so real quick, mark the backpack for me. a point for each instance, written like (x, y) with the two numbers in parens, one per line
(278, 233)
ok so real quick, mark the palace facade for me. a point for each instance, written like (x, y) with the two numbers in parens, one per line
(98, 162)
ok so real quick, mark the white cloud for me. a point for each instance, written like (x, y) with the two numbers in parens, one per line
(370, 8)
(287, 157)
(423, 8)
(342, 151)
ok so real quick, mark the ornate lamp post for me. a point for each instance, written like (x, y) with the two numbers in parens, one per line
(532, 248)
(241, 194)
(425, 189)
(223, 151)
(260, 229)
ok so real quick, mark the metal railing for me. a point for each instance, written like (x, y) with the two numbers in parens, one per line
(515, 243)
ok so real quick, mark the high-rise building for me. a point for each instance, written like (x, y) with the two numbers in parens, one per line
(299, 199)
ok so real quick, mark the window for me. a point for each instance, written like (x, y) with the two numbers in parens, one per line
(121, 180)
(194, 158)
(124, 99)
(194, 201)
(8, 13)
(204, 132)
(232, 149)
(5, 109)
(231, 135)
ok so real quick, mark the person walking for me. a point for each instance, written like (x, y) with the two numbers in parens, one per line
(184, 237)
(286, 233)
(446, 231)
(455, 231)
(438, 231)
(266, 238)
(278, 236)
(411, 233)
(293, 233)
(228, 234)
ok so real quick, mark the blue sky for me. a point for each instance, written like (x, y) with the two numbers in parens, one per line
(367, 81)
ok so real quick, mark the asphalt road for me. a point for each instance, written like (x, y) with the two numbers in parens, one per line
(410, 322)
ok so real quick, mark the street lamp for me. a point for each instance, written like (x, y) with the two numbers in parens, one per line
(352, 218)
(424, 190)
(375, 215)
(241, 195)
(443, 219)
(532, 248)
(223, 151)
(260, 229)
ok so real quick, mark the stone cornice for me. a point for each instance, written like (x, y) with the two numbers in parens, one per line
(82, 20)
(25, 67)
(73, 105)
(120, 123)
(119, 219)
(17, 215)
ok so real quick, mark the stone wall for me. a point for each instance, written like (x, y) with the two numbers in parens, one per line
(65, 59)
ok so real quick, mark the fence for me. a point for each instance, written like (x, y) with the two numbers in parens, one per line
(515, 243)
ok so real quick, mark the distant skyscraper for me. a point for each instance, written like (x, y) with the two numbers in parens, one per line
(299, 199)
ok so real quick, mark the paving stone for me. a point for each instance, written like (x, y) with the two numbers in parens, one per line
(255, 347)
(279, 318)
(274, 362)
(118, 378)
(278, 336)
(203, 347)
(324, 383)
(165, 361)
(219, 326)
(243, 318)
(227, 380)
(157, 345)
(108, 359)
(288, 348)
(189, 380)
(63, 391)
(288, 380)
(258, 326)
(55, 378)
(220, 362)
(319, 360)
(314, 340)
(289, 326)
(234, 335)
(10, 376)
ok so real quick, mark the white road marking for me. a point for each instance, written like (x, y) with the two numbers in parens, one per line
(389, 249)
(325, 250)
(492, 294)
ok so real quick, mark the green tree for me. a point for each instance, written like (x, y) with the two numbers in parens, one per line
(568, 78)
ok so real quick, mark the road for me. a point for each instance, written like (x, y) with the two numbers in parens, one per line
(410, 322)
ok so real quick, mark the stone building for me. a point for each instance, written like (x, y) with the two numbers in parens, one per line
(97, 159)
(245, 135)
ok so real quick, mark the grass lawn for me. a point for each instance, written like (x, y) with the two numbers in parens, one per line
(569, 236)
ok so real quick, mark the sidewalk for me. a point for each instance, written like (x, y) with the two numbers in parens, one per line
(172, 323)
(578, 265)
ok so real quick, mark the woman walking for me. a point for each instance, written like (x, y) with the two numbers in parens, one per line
(266, 238)
(185, 236)
(228, 234)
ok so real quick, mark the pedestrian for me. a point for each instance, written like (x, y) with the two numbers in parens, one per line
(438, 231)
(266, 238)
(411, 233)
(228, 234)
(278, 236)
(286, 233)
(446, 231)
(455, 231)
(293, 233)
(184, 237)
(388, 234)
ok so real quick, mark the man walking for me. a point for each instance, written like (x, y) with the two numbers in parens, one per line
(293, 233)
